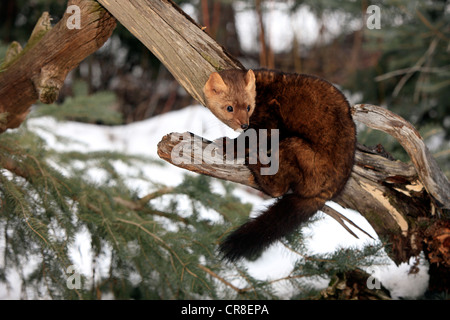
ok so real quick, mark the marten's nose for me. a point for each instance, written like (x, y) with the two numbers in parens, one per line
(244, 126)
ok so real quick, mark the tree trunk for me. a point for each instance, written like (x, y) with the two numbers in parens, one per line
(39, 70)
(388, 193)
(406, 204)
(188, 52)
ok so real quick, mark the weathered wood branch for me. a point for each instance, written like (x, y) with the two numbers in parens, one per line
(395, 197)
(39, 70)
(400, 200)
(389, 193)
(434, 180)
(175, 39)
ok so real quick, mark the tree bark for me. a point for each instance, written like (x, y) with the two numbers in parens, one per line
(39, 70)
(407, 204)
(388, 193)
(188, 52)
(403, 202)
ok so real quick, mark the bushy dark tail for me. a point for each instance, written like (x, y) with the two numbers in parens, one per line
(279, 220)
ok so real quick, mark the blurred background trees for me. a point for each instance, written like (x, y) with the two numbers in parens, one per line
(404, 66)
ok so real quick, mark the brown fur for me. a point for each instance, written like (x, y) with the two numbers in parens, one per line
(316, 150)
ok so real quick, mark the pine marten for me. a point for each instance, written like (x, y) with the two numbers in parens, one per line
(317, 138)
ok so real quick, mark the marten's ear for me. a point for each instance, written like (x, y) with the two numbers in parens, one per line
(214, 85)
(250, 85)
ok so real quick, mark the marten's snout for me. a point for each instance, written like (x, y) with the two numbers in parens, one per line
(244, 126)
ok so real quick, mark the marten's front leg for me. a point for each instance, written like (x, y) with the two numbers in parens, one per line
(230, 149)
(294, 165)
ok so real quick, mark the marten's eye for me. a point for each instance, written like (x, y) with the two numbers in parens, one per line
(230, 109)
(248, 108)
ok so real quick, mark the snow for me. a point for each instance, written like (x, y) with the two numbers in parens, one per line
(141, 138)
(282, 25)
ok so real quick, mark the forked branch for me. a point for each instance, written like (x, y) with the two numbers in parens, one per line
(387, 192)
(39, 70)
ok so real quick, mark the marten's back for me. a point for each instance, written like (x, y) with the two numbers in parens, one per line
(311, 108)
(315, 151)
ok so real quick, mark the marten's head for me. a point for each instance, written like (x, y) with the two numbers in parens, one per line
(230, 95)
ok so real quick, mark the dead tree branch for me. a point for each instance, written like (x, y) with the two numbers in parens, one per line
(400, 200)
(175, 39)
(39, 70)
(434, 180)
(391, 194)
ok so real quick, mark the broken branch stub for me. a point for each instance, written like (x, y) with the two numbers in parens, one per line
(39, 70)
(388, 193)
(431, 176)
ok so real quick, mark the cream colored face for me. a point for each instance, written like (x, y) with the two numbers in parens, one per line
(231, 98)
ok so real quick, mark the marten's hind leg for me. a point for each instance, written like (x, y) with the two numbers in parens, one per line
(289, 166)
(296, 171)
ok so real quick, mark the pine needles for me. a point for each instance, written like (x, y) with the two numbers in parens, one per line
(159, 245)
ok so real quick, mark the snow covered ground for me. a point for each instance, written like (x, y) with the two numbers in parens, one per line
(141, 138)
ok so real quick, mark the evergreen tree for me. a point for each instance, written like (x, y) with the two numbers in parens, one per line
(141, 247)
(412, 74)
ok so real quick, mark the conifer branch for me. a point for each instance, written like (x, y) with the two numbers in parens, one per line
(378, 183)
(14, 167)
(393, 196)
(227, 283)
(140, 206)
(385, 191)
